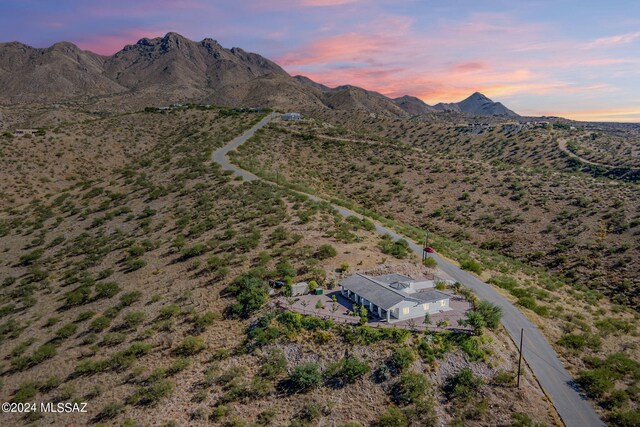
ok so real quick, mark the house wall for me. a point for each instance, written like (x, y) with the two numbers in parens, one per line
(417, 310)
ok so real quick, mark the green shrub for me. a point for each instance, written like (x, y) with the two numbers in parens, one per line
(110, 411)
(31, 257)
(462, 385)
(614, 326)
(129, 298)
(193, 251)
(502, 378)
(133, 264)
(169, 311)
(99, 324)
(305, 376)
(326, 251)
(133, 319)
(7, 309)
(580, 341)
(26, 392)
(596, 383)
(201, 321)
(430, 262)
(402, 358)
(394, 417)
(150, 394)
(399, 248)
(411, 388)
(471, 265)
(191, 345)
(51, 321)
(112, 339)
(630, 418)
(274, 365)
(285, 269)
(504, 282)
(351, 368)
(523, 420)
(180, 364)
(106, 290)
(78, 296)
(251, 293)
(484, 314)
(66, 331)
(85, 315)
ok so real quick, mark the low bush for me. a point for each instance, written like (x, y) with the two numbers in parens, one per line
(398, 249)
(402, 358)
(169, 311)
(410, 388)
(191, 345)
(580, 341)
(350, 369)
(99, 324)
(305, 377)
(462, 385)
(129, 298)
(471, 265)
(66, 331)
(326, 251)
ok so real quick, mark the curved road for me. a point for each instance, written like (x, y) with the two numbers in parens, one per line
(562, 145)
(557, 383)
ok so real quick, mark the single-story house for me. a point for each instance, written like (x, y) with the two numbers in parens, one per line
(395, 297)
(292, 116)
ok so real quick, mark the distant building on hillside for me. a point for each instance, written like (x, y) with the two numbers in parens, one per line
(292, 116)
(395, 297)
(23, 132)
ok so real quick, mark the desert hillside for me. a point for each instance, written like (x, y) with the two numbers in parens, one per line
(143, 292)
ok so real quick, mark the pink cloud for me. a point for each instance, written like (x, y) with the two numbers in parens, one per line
(469, 66)
(614, 40)
(108, 44)
(400, 59)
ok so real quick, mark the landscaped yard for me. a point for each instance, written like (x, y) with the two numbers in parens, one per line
(341, 311)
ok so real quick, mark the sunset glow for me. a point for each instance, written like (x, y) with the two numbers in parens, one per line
(567, 58)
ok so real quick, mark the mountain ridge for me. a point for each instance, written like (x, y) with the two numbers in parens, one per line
(477, 104)
(173, 68)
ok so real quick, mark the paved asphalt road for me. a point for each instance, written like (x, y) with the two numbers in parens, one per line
(574, 410)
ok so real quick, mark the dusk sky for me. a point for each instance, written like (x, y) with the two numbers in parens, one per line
(577, 59)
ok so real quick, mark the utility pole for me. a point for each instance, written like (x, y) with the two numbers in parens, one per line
(424, 247)
(520, 358)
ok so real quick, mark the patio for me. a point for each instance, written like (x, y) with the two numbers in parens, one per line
(341, 311)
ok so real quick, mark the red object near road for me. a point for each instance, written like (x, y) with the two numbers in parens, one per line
(429, 249)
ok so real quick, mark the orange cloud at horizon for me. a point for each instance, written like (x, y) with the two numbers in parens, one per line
(629, 115)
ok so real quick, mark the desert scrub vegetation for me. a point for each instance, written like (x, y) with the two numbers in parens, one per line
(172, 330)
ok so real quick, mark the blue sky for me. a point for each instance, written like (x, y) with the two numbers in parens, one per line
(579, 59)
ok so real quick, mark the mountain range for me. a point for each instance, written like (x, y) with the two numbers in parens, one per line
(174, 69)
